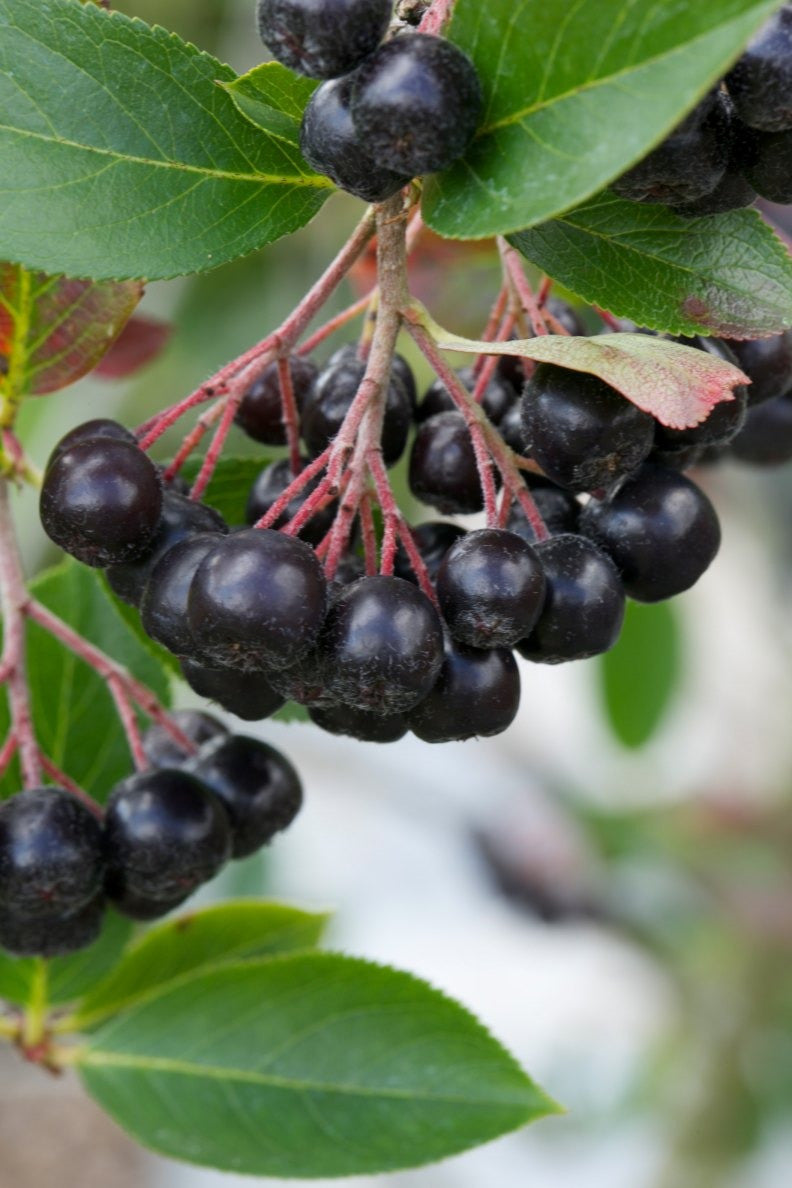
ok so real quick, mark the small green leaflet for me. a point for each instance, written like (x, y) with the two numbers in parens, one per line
(727, 274)
(273, 98)
(641, 675)
(122, 157)
(76, 720)
(222, 934)
(575, 93)
(309, 1065)
(676, 384)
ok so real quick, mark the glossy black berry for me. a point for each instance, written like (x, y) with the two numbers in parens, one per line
(660, 530)
(733, 192)
(163, 608)
(490, 587)
(162, 749)
(260, 412)
(499, 396)
(181, 517)
(582, 432)
(360, 724)
(476, 695)
(101, 501)
(511, 428)
(768, 364)
(270, 485)
(384, 644)
(760, 83)
(689, 163)
(322, 38)
(769, 166)
(165, 834)
(89, 431)
(724, 421)
(257, 786)
(333, 393)
(249, 695)
(433, 540)
(443, 471)
(52, 935)
(766, 437)
(51, 861)
(144, 907)
(416, 102)
(559, 510)
(257, 600)
(332, 146)
(584, 603)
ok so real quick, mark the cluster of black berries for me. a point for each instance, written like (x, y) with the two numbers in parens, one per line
(388, 111)
(736, 145)
(164, 831)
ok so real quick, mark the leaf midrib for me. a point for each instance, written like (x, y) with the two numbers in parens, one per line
(149, 1064)
(298, 179)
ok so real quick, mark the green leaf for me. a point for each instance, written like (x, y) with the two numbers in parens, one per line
(190, 943)
(273, 98)
(68, 977)
(76, 721)
(574, 95)
(54, 330)
(677, 384)
(310, 1065)
(727, 274)
(123, 158)
(230, 484)
(641, 675)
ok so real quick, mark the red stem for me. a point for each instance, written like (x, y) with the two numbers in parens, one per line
(608, 318)
(209, 464)
(369, 535)
(14, 600)
(516, 274)
(391, 510)
(129, 721)
(290, 415)
(193, 439)
(295, 486)
(60, 777)
(7, 753)
(340, 320)
(491, 328)
(436, 16)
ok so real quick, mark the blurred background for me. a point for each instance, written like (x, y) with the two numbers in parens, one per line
(608, 885)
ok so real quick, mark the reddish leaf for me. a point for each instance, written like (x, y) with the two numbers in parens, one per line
(678, 385)
(54, 330)
(139, 343)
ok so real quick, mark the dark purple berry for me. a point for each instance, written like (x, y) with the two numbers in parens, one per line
(384, 645)
(584, 603)
(256, 785)
(165, 834)
(477, 694)
(333, 393)
(181, 517)
(689, 163)
(416, 102)
(660, 530)
(404, 373)
(360, 724)
(163, 608)
(582, 432)
(52, 935)
(270, 485)
(732, 192)
(162, 749)
(144, 907)
(331, 145)
(769, 166)
(260, 412)
(511, 428)
(307, 681)
(249, 695)
(768, 364)
(760, 82)
(559, 509)
(257, 601)
(766, 437)
(499, 396)
(101, 501)
(51, 862)
(443, 471)
(433, 540)
(490, 587)
(89, 431)
(322, 39)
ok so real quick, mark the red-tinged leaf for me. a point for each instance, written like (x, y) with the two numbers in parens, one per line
(677, 384)
(139, 343)
(54, 330)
